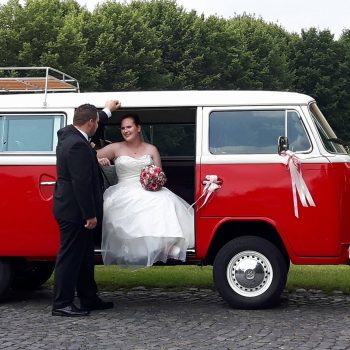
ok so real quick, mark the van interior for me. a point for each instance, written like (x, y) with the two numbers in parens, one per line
(172, 131)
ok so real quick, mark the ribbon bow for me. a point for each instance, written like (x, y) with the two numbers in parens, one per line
(298, 184)
(211, 184)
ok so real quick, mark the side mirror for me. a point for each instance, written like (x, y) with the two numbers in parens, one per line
(283, 144)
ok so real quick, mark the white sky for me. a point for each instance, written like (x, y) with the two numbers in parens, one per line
(293, 15)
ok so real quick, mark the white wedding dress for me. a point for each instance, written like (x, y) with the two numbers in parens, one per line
(142, 227)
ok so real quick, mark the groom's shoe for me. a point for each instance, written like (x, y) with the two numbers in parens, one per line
(70, 311)
(97, 304)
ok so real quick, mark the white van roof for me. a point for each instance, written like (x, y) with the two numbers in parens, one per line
(135, 99)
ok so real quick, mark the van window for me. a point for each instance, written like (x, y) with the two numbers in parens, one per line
(173, 140)
(325, 131)
(29, 133)
(255, 132)
(296, 133)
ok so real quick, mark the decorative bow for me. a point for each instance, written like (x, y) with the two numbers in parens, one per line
(211, 184)
(298, 184)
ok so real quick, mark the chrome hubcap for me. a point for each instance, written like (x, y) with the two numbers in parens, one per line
(249, 273)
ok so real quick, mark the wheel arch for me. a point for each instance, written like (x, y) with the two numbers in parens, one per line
(232, 229)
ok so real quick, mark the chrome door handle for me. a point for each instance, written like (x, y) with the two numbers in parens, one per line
(47, 183)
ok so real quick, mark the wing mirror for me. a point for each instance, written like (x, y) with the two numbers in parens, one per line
(283, 144)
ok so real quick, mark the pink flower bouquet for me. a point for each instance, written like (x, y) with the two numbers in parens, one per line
(152, 178)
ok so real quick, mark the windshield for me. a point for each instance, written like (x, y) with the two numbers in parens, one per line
(325, 131)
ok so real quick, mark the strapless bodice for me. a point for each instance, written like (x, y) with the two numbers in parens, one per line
(129, 168)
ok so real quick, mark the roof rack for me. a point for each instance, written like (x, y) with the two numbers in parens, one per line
(48, 80)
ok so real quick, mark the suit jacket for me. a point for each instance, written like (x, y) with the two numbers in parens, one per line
(79, 188)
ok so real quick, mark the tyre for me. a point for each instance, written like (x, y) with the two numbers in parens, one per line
(250, 273)
(5, 278)
(31, 275)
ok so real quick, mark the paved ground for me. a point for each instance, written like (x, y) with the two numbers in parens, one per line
(191, 319)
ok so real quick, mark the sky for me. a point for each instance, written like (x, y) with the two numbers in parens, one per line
(293, 15)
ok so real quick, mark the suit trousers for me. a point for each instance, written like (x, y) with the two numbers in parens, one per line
(74, 269)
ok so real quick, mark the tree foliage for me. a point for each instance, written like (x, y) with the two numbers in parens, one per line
(156, 44)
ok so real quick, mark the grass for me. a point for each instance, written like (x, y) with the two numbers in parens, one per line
(174, 277)
(109, 278)
(325, 277)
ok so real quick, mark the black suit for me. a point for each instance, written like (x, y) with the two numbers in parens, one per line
(78, 196)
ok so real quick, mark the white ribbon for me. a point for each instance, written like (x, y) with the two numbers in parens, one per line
(298, 183)
(211, 183)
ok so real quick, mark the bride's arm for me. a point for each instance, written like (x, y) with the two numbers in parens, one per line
(156, 156)
(110, 152)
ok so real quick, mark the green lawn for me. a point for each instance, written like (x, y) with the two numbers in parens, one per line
(327, 278)
(175, 277)
(109, 278)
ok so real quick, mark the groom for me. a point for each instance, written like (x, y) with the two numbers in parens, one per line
(78, 210)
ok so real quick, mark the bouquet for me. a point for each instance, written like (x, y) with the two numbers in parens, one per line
(152, 178)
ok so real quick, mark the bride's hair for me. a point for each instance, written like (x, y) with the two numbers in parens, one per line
(133, 116)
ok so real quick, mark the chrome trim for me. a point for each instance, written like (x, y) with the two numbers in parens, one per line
(47, 183)
(249, 273)
(188, 251)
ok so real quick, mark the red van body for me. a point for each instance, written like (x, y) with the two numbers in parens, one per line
(250, 221)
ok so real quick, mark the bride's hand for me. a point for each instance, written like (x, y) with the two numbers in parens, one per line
(104, 161)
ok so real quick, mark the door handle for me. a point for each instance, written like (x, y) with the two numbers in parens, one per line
(209, 179)
(47, 183)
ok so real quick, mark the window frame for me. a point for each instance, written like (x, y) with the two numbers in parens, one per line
(324, 130)
(151, 126)
(59, 117)
(285, 110)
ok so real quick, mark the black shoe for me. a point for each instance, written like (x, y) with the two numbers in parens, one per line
(70, 311)
(97, 304)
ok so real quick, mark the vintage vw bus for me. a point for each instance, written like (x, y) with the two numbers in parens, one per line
(269, 179)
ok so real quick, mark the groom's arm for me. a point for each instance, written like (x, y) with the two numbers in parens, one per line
(110, 107)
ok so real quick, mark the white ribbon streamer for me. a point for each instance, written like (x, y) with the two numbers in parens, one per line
(298, 183)
(211, 183)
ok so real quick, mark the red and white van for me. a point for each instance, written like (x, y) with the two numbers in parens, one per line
(258, 206)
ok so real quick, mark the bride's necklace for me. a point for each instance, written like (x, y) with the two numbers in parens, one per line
(136, 150)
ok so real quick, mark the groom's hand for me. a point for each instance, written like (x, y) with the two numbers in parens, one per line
(112, 105)
(91, 223)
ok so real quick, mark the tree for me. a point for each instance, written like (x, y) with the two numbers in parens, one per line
(122, 48)
(264, 54)
(319, 72)
(45, 33)
(177, 34)
(10, 44)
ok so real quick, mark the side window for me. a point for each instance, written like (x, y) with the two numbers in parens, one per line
(297, 136)
(255, 132)
(171, 139)
(29, 133)
(326, 133)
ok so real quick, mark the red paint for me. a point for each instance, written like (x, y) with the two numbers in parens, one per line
(28, 228)
(262, 192)
(249, 192)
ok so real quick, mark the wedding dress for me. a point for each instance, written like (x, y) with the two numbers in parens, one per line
(142, 227)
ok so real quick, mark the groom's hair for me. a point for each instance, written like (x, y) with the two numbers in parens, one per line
(84, 113)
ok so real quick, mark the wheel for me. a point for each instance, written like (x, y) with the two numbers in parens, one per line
(31, 275)
(5, 278)
(250, 273)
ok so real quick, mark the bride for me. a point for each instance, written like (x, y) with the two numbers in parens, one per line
(141, 227)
